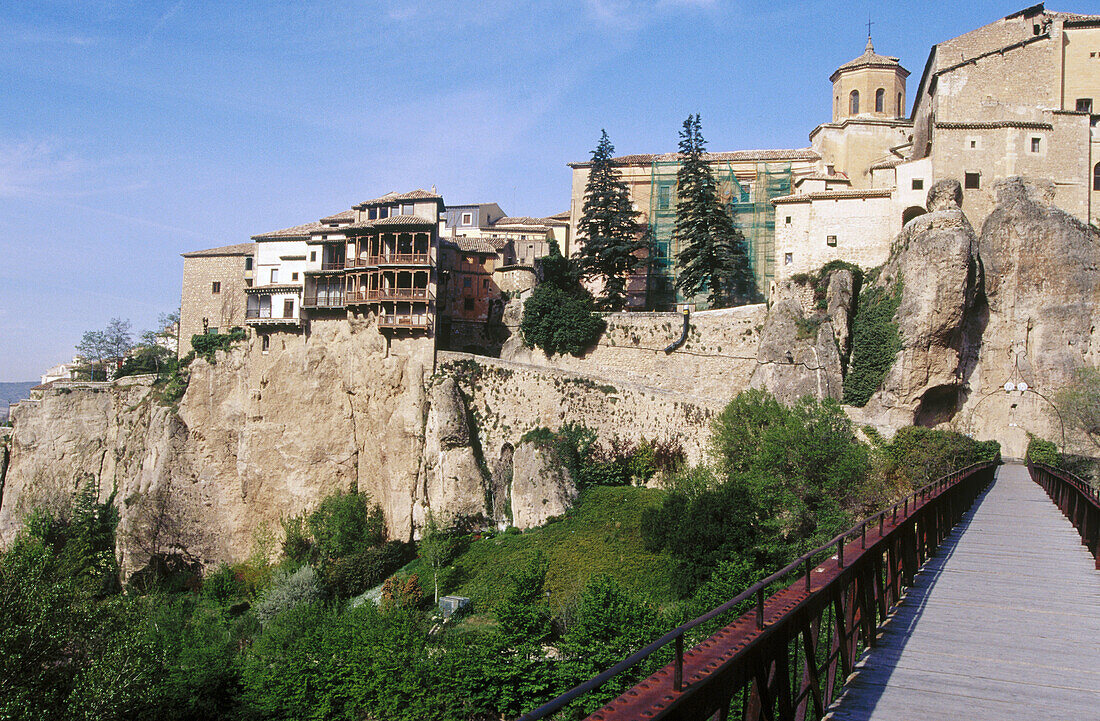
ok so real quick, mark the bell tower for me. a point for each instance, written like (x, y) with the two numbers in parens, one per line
(869, 86)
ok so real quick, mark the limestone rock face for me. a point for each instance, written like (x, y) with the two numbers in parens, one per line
(541, 486)
(838, 306)
(797, 355)
(453, 481)
(256, 438)
(935, 259)
(1042, 285)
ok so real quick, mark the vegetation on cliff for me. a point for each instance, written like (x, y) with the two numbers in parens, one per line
(875, 343)
(289, 635)
(560, 316)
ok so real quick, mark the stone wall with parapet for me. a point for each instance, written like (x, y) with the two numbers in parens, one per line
(716, 361)
(508, 398)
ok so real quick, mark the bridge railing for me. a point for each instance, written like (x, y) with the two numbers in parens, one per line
(1079, 501)
(757, 666)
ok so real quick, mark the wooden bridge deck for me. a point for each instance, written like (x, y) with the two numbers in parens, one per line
(1004, 623)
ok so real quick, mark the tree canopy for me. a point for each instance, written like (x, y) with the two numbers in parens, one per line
(611, 234)
(559, 317)
(713, 252)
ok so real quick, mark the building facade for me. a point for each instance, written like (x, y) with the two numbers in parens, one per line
(214, 285)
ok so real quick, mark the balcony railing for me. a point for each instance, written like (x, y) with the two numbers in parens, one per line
(404, 321)
(332, 265)
(263, 315)
(332, 300)
(402, 259)
(358, 263)
(403, 294)
(361, 296)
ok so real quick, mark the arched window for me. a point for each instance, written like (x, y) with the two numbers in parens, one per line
(1096, 177)
(853, 103)
(901, 106)
(880, 101)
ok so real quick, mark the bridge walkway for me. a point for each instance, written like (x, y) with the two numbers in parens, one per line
(1004, 622)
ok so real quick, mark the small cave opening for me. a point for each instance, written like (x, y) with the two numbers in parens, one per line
(937, 405)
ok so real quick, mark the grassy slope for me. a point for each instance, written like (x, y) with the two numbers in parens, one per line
(602, 534)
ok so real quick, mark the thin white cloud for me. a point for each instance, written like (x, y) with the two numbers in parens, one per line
(634, 14)
(160, 23)
(29, 167)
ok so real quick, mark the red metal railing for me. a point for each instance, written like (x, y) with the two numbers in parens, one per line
(1079, 501)
(787, 658)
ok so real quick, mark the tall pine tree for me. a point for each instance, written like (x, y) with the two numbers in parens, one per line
(713, 253)
(608, 228)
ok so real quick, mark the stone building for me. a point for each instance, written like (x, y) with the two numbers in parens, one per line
(1015, 97)
(214, 285)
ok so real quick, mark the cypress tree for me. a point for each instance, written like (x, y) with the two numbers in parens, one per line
(609, 228)
(713, 252)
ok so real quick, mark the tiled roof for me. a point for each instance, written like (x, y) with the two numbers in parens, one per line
(342, 217)
(734, 156)
(473, 245)
(889, 163)
(826, 178)
(238, 249)
(297, 231)
(835, 195)
(396, 220)
(870, 57)
(393, 197)
(562, 216)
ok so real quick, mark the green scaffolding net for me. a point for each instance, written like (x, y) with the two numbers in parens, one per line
(747, 194)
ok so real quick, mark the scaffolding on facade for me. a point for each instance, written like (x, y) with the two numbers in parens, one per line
(748, 198)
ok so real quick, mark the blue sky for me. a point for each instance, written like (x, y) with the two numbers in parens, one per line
(131, 132)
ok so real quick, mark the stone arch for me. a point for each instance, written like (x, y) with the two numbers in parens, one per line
(880, 100)
(1096, 177)
(911, 212)
(853, 102)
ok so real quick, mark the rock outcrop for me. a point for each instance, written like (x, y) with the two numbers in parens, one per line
(453, 483)
(935, 261)
(1039, 320)
(541, 486)
(798, 352)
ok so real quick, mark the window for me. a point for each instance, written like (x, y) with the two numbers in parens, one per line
(1096, 177)
(788, 258)
(485, 283)
(468, 304)
(901, 105)
(212, 330)
(383, 213)
(406, 209)
(664, 197)
(294, 276)
(312, 256)
(1035, 145)
(1036, 29)
(274, 275)
(918, 183)
(467, 282)
(853, 103)
(972, 181)
(1084, 105)
(265, 342)
(880, 100)
(288, 308)
(467, 219)
(830, 240)
(973, 143)
(248, 263)
(788, 220)
(372, 214)
(215, 287)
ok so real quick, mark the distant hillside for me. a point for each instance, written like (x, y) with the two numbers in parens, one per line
(12, 392)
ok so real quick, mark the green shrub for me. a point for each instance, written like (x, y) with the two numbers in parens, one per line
(223, 585)
(357, 573)
(916, 456)
(560, 316)
(345, 524)
(875, 343)
(1041, 451)
(205, 345)
(287, 591)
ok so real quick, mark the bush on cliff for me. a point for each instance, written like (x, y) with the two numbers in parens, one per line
(875, 343)
(206, 345)
(1041, 451)
(560, 316)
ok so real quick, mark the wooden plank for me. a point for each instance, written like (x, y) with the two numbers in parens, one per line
(1003, 623)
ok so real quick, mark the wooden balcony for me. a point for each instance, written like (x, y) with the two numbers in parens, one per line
(332, 300)
(358, 263)
(402, 259)
(404, 321)
(420, 294)
(263, 316)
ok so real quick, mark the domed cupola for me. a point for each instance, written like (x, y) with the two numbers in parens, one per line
(869, 86)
